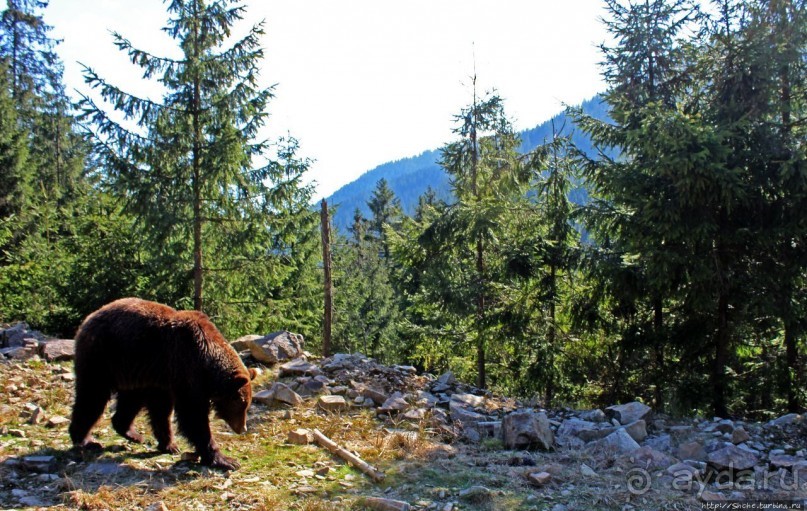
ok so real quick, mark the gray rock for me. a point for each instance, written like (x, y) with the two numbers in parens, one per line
(587, 471)
(266, 397)
(464, 415)
(277, 347)
(19, 352)
(242, 343)
(739, 436)
(395, 403)
(628, 412)
(427, 399)
(58, 349)
(469, 400)
(526, 429)
(105, 469)
(785, 461)
(595, 415)
(447, 378)
(332, 403)
(284, 394)
(471, 434)
(15, 335)
(731, 458)
(637, 430)
(313, 388)
(573, 427)
(539, 478)
(619, 441)
(300, 436)
(649, 458)
(786, 420)
(725, 426)
(682, 474)
(299, 367)
(661, 443)
(32, 501)
(489, 429)
(475, 494)
(691, 451)
(42, 464)
(415, 414)
(382, 504)
(378, 397)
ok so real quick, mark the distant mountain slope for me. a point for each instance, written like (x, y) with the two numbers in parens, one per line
(410, 177)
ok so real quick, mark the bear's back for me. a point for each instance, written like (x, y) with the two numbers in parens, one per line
(135, 343)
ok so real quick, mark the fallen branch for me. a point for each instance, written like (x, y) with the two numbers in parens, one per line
(325, 442)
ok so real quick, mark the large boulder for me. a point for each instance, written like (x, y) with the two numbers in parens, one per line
(16, 335)
(525, 429)
(575, 432)
(628, 412)
(276, 347)
(242, 343)
(733, 458)
(58, 349)
(619, 441)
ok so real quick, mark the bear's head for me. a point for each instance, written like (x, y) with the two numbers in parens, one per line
(232, 403)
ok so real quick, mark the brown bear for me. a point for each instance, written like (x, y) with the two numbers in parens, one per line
(163, 360)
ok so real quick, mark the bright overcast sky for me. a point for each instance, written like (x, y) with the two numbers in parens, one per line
(363, 82)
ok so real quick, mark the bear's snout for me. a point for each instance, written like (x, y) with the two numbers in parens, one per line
(238, 425)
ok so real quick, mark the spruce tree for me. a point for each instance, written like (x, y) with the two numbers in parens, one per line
(454, 267)
(187, 168)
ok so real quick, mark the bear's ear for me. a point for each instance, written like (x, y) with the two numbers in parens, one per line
(253, 373)
(238, 382)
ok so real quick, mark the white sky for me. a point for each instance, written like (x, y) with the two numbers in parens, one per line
(363, 82)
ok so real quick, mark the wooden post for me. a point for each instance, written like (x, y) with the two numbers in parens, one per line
(326, 265)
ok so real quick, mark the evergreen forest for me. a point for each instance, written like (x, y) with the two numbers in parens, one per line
(656, 253)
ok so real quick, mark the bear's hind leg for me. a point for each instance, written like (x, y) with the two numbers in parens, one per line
(160, 405)
(130, 402)
(91, 399)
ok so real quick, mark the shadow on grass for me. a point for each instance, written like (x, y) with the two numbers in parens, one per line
(48, 476)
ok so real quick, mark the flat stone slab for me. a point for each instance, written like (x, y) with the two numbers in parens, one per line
(332, 403)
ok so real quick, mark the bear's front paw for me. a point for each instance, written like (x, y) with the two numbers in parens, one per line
(169, 448)
(221, 461)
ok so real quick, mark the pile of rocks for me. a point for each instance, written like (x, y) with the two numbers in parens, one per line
(19, 342)
(697, 451)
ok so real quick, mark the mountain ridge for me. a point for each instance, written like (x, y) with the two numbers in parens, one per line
(410, 177)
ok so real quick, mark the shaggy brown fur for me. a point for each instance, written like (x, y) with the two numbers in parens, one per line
(163, 360)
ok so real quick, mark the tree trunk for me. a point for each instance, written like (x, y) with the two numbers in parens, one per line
(658, 330)
(549, 393)
(197, 194)
(721, 357)
(328, 284)
(481, 375)
(794, 370)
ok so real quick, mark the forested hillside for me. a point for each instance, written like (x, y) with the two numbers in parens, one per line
(688, 290)
(409, 178)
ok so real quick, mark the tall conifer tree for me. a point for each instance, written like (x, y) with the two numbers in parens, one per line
(187, 168)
